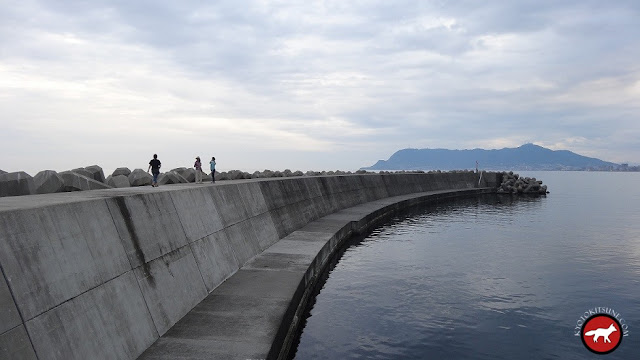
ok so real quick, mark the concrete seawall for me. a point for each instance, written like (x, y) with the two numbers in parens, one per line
(103, 274)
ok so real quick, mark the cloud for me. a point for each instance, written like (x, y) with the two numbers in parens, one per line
(293, 83)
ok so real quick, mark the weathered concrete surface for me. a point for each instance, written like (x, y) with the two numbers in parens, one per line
(16, 184)
(180, 178)
(169, 178)
(171, 285)
(102, 274)
(118, 181)
(121, 171)
(47, 182)
(197, 212)
(96, 173)
(139, 177)
(9, 317)
(83, 172)
(148, 226)
(188, 174)
(15, 344)
(74, 181)
(490, 179)
(109, 322)
(55, 253)
(216, 259)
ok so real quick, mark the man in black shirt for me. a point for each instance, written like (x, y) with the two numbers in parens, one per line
(154, 166)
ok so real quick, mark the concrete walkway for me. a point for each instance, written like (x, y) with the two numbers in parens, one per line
(255, 313)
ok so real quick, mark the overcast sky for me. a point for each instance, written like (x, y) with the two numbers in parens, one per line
(312, 85)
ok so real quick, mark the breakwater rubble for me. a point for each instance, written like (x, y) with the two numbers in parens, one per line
(516, 184)
(92, 178)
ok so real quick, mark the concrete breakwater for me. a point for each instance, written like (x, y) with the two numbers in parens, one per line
(92, 178)
(103, 274)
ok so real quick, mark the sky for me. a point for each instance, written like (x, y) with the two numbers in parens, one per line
(312, 85)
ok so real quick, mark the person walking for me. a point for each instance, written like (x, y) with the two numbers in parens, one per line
(154, 166)
(198, 166)
(212, 165)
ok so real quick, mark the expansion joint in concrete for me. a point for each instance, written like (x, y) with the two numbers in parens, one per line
(22, 320)
(132, 267)
(198, 265)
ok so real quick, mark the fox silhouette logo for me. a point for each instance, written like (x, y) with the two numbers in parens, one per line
(601, 334)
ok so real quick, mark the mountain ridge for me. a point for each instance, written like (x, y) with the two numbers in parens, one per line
(525, 157)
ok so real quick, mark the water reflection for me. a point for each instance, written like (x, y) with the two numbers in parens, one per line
(488, 278)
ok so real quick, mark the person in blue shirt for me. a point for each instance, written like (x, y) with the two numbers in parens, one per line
(212, 164)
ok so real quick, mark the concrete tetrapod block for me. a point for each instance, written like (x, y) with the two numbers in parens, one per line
(182, 171)
(48, 181)
(118, 181)
(121, 171)
(76, 182)
(96, 173)
(165, 178)
(83, 172)
(188, 174)
(171, 177)
(182, 179)
(139, 177)
(237, 175)
(16, 184)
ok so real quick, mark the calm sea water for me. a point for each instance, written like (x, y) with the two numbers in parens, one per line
(487, 278)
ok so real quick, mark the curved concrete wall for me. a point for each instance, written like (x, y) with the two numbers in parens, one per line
(103, 274)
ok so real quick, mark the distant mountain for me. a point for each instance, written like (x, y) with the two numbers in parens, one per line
(525, 157)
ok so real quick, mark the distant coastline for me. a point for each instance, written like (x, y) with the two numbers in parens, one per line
(528, 157)
(629, 169)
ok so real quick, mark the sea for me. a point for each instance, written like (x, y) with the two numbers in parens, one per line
(489, 277)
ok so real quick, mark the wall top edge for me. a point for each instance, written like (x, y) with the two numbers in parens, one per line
(16, 203)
